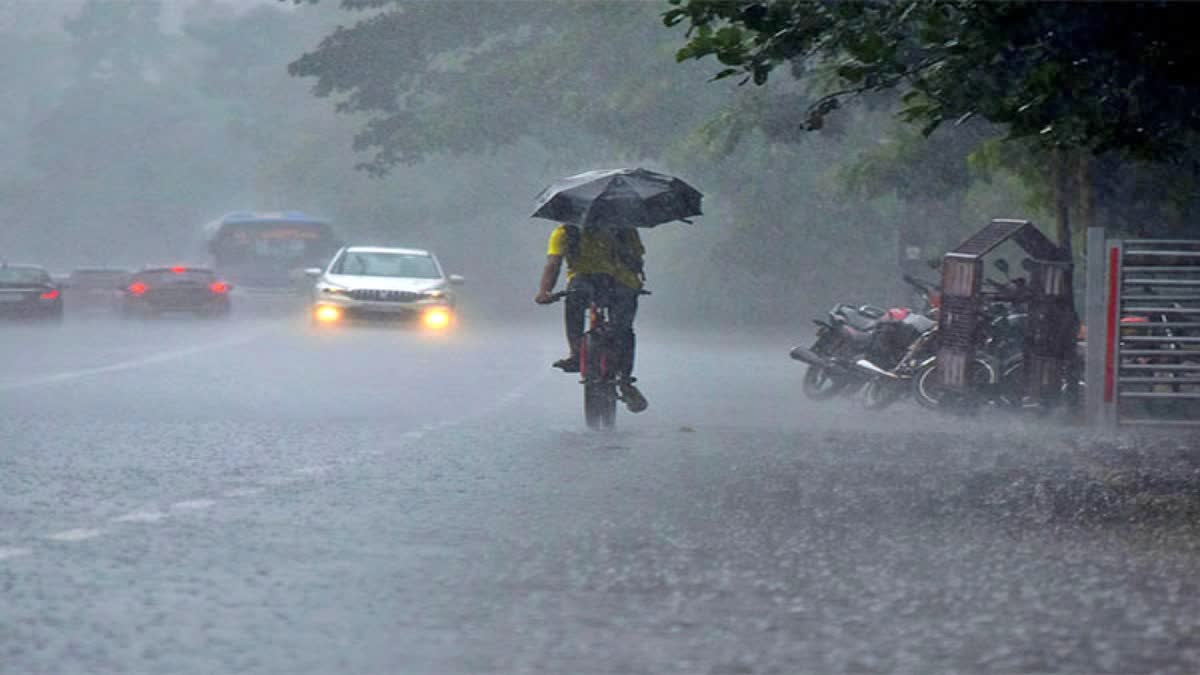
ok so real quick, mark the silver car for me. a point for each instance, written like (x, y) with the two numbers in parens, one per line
(366, 283)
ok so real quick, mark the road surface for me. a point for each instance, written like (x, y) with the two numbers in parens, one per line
(248, 496)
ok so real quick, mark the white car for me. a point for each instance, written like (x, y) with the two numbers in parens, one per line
(374, 283)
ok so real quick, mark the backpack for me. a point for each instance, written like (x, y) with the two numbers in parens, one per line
(626, 251)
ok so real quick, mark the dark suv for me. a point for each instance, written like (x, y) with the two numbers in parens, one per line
(158, 290)
(28, 292)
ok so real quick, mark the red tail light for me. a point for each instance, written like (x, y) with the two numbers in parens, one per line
(179, 269)
(218, 287)
(50, 294)
(137, 288)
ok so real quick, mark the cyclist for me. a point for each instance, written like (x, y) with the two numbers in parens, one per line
(604, 263)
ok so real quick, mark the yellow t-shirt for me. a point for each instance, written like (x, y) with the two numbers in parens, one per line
(597, 255)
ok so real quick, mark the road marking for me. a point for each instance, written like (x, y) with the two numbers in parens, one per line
(140, 517)
(243, 492)
(193, 504)
(311, 470)
(8, 553)
(81, 534)
(78, 534)
(153, 359)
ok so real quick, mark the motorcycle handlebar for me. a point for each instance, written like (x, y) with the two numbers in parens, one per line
(919, 284)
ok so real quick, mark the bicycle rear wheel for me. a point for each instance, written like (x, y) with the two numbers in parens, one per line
(599, 389)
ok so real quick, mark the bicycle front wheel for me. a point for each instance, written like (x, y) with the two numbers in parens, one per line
(599, 388)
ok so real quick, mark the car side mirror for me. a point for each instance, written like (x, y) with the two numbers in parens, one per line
(312, 272)
(457, 279)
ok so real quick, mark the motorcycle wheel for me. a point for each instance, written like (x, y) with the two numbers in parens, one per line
(820, 385)
(880, 394)
(1011, 387)
(928, 390)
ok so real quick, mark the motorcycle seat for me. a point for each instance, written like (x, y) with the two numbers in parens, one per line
(862, 318)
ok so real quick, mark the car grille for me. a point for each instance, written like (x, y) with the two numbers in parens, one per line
(384, 296)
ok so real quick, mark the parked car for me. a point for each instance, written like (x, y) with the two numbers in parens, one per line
(364, 283)
(92, 289)
(28, 292)
(158, 290)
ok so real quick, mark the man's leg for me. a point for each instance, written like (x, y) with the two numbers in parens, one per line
(574, 307)
(622, 311)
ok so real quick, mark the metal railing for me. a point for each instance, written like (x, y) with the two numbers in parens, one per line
(1150, 324)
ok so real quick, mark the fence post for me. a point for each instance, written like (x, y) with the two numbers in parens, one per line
(1096, 306)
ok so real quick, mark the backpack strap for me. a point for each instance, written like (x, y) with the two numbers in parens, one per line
(573, 243)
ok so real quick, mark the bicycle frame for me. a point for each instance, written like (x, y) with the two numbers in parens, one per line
(598, 328)
(599, 364)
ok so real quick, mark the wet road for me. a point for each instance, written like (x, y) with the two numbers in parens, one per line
(248, 496)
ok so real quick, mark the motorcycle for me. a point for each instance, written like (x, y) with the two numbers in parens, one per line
(996, 375)
(857, 334)
(919, 337)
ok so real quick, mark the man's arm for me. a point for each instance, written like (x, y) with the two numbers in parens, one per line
(549, 279)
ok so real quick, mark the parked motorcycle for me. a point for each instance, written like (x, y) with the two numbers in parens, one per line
(993, 376)
(856, 340)
(919, 336)
(996, 373)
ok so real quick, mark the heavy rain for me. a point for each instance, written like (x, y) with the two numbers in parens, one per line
(604, 336)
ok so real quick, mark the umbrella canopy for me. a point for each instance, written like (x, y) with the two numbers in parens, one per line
(618, 198)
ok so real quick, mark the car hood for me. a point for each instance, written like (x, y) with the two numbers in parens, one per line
(384, 283)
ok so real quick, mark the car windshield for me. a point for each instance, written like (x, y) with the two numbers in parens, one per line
(23, 275)
(378, 264)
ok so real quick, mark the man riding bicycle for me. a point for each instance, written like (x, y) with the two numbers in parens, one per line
(602, 264)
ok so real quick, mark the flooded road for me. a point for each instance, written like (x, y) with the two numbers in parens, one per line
(252, 496)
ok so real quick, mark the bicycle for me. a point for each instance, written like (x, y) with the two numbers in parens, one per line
(598, 361)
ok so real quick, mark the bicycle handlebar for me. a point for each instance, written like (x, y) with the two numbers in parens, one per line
(555, 297)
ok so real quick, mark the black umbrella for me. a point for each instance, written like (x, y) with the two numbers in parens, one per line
(618, 198)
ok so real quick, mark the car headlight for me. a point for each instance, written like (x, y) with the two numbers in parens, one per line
(333, 290)
(436, 318)
(327, 313)
(435, 294)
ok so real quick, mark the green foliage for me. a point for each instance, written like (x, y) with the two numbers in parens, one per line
(1092, 76)
(466, 77)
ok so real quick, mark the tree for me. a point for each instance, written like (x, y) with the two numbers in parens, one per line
(1070, 79)
(116, 40)
(1094, 76)
(469, 77)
